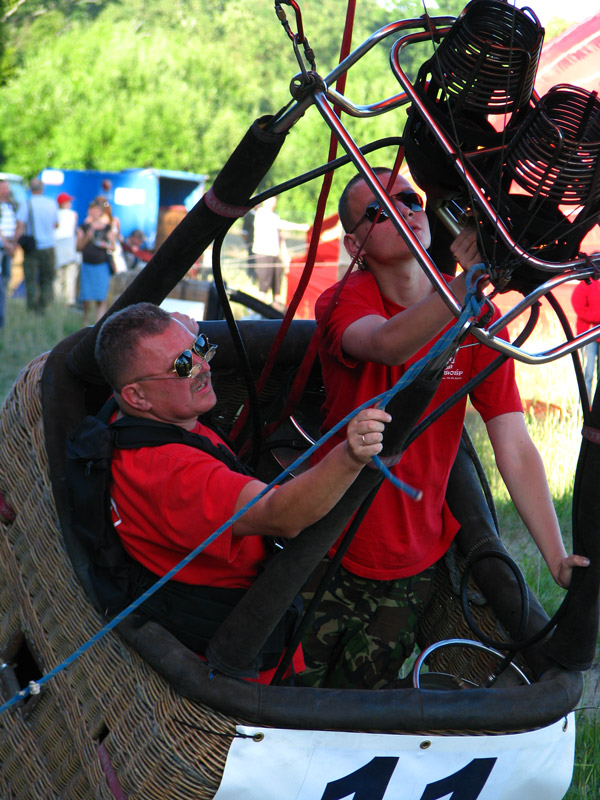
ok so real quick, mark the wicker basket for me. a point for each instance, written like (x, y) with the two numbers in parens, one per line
(107, 714)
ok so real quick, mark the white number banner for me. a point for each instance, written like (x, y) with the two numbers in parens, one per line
(274, 764)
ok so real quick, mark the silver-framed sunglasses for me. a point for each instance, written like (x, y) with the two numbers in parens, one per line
(183, 366)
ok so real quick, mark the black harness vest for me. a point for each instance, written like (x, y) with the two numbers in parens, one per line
(191, 613)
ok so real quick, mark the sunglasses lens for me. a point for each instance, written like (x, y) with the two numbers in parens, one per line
(372, 210)
(411, 200)
(183, 364)
(201, 345)
(203, 348)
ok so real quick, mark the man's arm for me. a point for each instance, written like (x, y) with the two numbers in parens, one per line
(394, 341)
(7, 244)
(22, 216)
(83, 238)
(522, 470)
(286, 225)
(293, 506)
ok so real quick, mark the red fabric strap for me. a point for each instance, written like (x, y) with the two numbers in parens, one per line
(591, 434)
(224, 209)
(311, 353)
(110, 774)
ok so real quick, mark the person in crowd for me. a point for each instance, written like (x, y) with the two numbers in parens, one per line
(38, 218)
(248, 236)
(267, 248)
(385, 319)
(95, 242)
(167, 499)
(65, 248)
(134, 252)
(118, 256)
(66, 233)
(8, 226)
(586, 304)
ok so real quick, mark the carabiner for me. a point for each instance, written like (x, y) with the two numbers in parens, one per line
(281, 15)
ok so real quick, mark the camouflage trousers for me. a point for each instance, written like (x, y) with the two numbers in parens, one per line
(363, 630)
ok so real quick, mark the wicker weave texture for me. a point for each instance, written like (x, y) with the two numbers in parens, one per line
(160, 745)
(443, 619)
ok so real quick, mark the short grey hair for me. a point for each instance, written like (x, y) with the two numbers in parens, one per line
(119, 337)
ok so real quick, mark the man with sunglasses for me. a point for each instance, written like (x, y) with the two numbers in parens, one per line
(384, 319)
(166, 500)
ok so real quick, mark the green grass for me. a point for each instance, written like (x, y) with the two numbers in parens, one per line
(556, 435)
(586, 777)
(26, 335)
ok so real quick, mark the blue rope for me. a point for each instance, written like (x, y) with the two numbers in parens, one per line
(470, 310)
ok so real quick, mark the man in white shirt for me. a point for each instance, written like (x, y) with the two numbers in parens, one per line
(8, 224)
(267, 245)
(38, 218)
(65, 251)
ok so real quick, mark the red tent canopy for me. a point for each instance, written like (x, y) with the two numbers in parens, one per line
(325, 269)
(573, 57)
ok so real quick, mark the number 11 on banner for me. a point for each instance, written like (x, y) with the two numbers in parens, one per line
(371, 781)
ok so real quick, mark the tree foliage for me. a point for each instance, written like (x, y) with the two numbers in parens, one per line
(174, 84)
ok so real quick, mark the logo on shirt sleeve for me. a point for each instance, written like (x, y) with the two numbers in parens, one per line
(451, 372)
(114, 513)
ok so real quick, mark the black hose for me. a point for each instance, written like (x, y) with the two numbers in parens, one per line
(240, 349)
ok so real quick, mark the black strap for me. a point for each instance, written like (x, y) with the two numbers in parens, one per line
(129, 433)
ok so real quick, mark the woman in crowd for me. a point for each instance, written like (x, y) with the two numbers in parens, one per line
(95, 242)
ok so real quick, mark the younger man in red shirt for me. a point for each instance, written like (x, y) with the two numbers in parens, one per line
(385, 319)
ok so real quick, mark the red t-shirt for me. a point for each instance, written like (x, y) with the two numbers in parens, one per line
(400, 536)
(167, 500)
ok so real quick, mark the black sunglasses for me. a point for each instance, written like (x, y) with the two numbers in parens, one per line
(183, 366)
(412, 201)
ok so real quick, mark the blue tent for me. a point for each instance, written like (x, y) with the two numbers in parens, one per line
(148, 199)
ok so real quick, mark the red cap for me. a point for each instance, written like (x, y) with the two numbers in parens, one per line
(63, 197)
